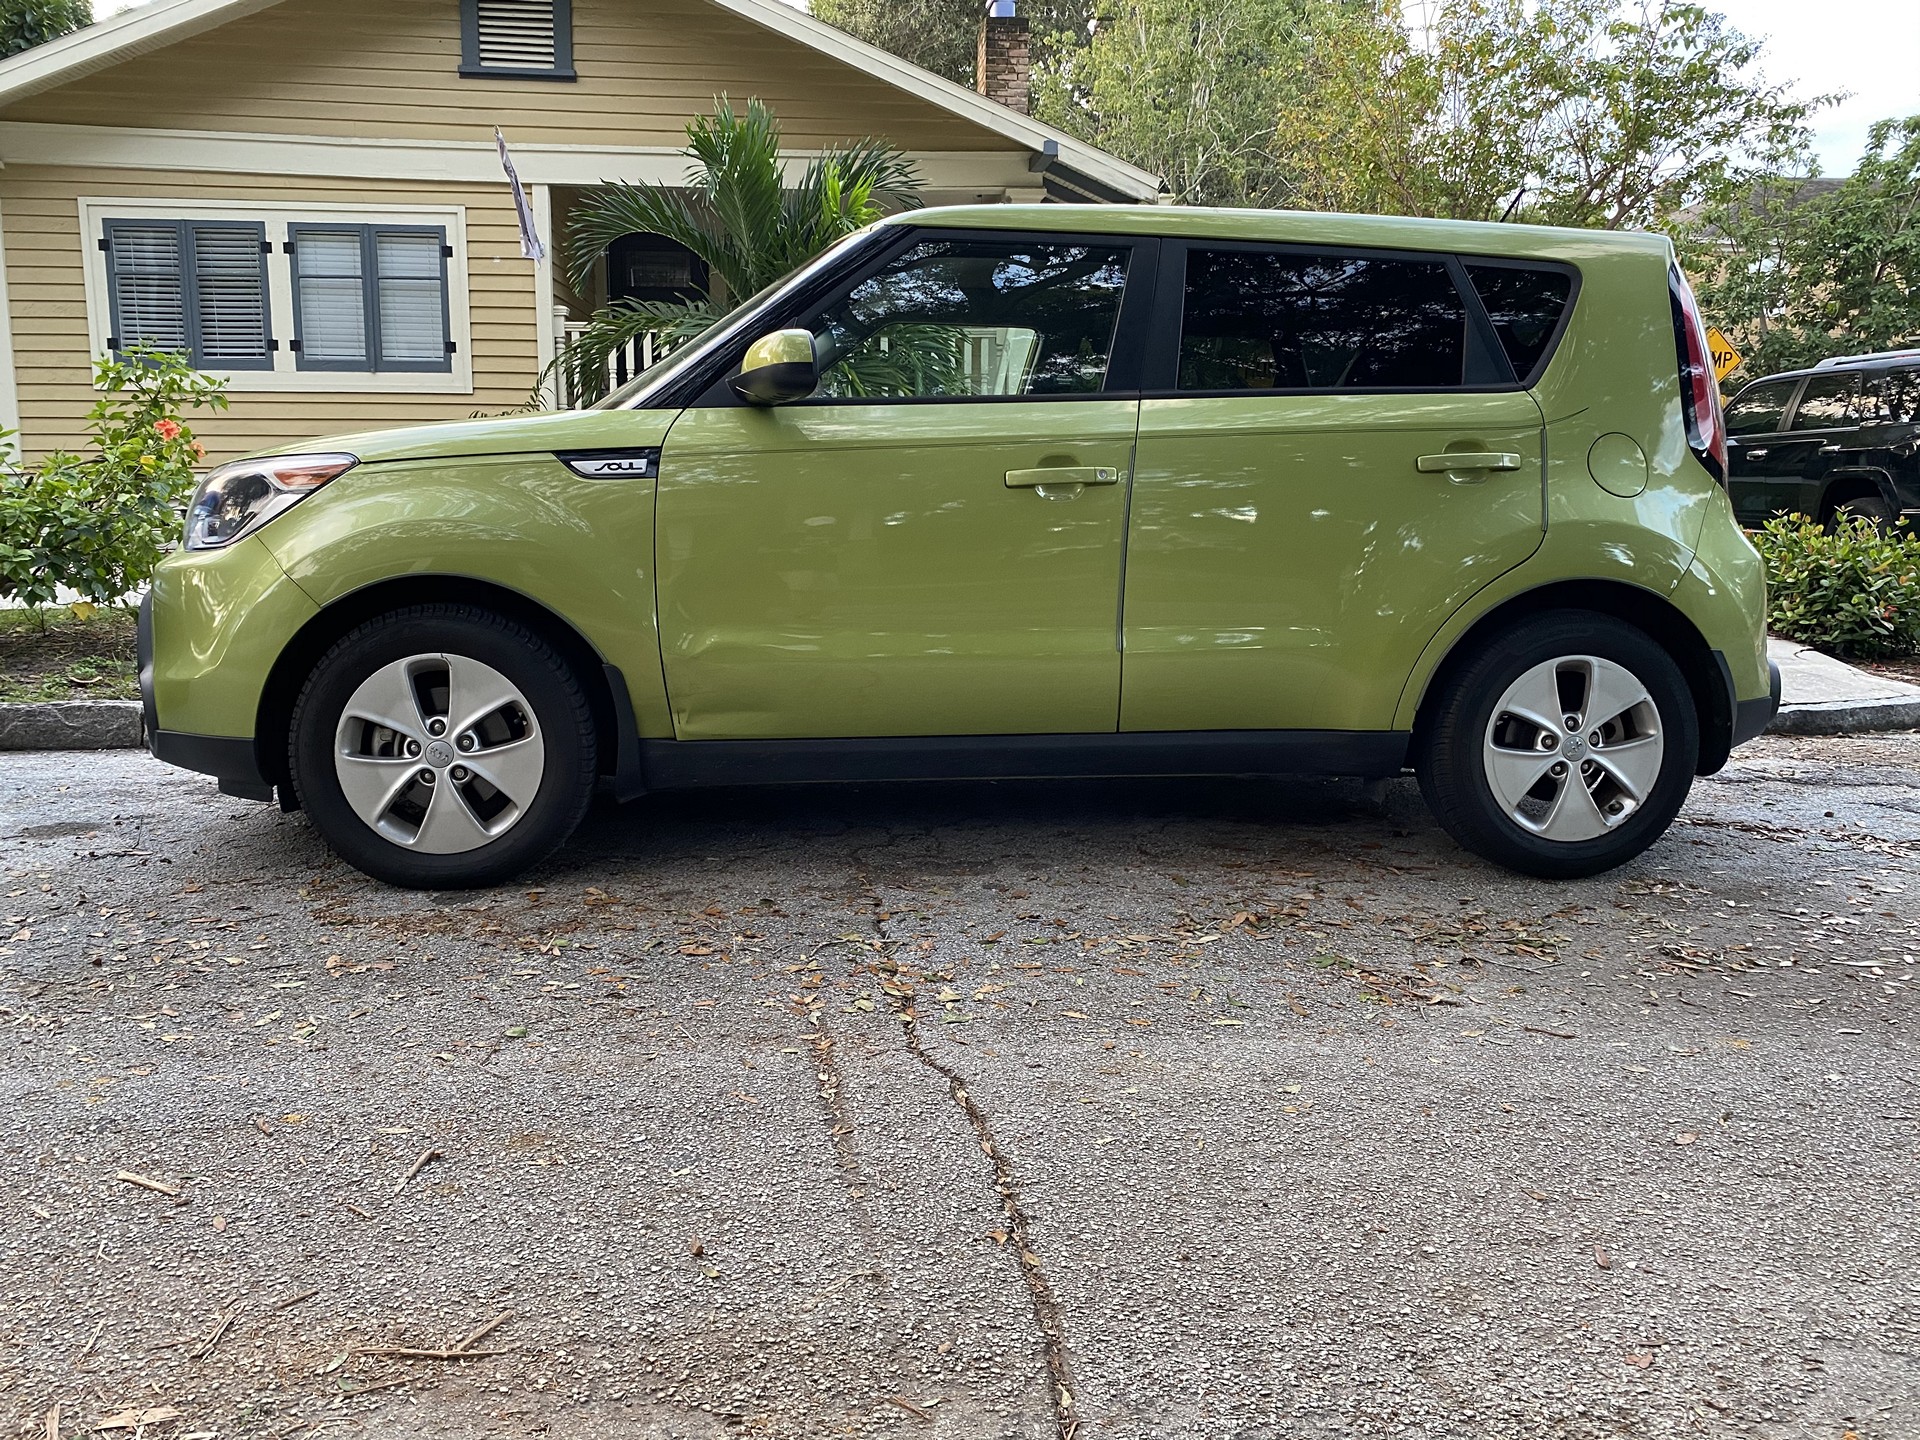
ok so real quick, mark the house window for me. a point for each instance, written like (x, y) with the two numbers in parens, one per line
(370, 298)
(524, 39)
(287, 296)
(197, 287)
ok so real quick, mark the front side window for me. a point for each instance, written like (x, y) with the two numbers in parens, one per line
(959, 319)
(1525, 303)
(1759, 409)
(1829, 401)
(195, 287)
(370, 298)
(1285, 320)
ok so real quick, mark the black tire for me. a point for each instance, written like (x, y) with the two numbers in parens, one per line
(1865, 507)
(1452, 763)
(552, 691)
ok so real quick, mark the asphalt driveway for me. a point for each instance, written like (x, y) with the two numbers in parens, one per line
(1145, 1110)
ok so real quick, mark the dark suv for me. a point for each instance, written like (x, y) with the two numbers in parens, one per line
(1841, 438)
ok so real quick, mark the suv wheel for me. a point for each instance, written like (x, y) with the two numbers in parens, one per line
(1563, 747)
(443, 746)
(1865, 507)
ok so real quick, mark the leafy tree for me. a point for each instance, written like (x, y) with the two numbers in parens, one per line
(1189, 89)
(1795, 271)
(27, 23)
(1568, 112)
(738, 214)
(944, 35)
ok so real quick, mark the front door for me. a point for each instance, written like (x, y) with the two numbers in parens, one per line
(931, 544)
(1331, 468)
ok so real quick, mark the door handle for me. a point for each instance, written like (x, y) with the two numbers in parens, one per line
(1051, 475)
(1467, 460)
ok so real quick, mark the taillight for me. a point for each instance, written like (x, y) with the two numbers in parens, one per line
(1699, 393)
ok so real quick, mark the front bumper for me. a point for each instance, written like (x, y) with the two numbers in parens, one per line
(229, 760)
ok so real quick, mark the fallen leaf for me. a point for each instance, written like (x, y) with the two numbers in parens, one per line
(1639, 1362)
(134, 1419)
(1685, 1137)
(1602, 1258)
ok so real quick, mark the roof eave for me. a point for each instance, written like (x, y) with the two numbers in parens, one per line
(130, 33)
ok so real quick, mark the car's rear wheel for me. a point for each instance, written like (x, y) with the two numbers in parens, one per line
(1563, 747)
(443, 746)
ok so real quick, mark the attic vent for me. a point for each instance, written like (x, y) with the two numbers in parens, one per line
(529, 39)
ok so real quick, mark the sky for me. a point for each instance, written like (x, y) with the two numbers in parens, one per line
(1870, 48)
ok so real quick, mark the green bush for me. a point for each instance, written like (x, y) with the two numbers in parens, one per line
(98, 524)
(1853, 591)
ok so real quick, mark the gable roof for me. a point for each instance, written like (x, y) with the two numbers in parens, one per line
(1057, 155)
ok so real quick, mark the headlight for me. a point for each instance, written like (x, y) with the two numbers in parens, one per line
(238, 499)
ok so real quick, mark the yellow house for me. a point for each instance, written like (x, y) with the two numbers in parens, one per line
(305, 195)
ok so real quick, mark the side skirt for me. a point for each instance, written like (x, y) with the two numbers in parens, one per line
(695, 764)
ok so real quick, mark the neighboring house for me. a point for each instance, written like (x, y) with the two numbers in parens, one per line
(305, 194)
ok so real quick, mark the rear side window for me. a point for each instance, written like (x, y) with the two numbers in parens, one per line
(1830, 400)
(1760, 409)
(1286, 320)
(1894, 397)
(1526, 304)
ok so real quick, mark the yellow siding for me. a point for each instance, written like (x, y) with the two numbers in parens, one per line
(45, 255)
(389, 68)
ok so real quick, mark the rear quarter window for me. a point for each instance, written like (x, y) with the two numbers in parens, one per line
(1526, 304)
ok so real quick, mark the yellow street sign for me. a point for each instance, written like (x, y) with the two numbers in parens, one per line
(1726, 359)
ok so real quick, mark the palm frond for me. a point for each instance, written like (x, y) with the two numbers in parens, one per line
(587, 359)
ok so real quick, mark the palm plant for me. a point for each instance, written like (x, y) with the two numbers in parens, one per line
(738, 214)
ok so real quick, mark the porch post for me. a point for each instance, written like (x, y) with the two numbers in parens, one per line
(9, 388)
(544, 338)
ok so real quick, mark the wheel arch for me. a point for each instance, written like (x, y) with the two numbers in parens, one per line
(1705, 670)
(1845, 485)
(612, 712)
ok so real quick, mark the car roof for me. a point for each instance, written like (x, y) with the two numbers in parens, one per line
(1393, 232)
(1851, 365)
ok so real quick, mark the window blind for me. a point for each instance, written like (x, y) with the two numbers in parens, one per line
(371, 298)
(196, 287)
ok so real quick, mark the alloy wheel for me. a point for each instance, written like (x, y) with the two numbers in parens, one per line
(1574, 748)
(440, 754)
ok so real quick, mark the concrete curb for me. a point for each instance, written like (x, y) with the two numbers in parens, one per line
(73, 725)
(1846, 717)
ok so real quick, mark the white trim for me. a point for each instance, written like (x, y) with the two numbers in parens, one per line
(468, 162)
(543, 331)
(286, 376)
(9, 387)
(162, 22)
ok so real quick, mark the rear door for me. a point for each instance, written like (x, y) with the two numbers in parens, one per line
(1334, 454)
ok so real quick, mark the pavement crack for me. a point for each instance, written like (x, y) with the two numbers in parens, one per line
(1046, 1305)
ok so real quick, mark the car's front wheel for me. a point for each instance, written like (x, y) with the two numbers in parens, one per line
(1565, 746)
(443, 746)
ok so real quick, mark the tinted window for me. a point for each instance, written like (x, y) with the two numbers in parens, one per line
(1894, 397)
(1759, 409)
(1525, 304)
(1827, 401)
(956, 318)
(1264, 320)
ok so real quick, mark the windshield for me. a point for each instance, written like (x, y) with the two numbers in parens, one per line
(634, 394)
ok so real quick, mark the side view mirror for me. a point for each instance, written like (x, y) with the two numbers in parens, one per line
(778, 367)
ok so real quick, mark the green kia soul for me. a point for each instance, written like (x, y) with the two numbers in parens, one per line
(1018, 491)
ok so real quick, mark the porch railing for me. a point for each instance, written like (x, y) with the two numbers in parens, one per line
(625, 363)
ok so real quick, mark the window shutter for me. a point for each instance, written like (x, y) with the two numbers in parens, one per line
(517, 34)
(147, 283)
(230, 296)
(411, 301)
(330, 299)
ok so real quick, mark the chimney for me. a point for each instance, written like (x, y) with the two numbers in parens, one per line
(1004, 65)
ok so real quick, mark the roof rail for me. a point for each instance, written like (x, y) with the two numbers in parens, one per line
(1911, 352)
